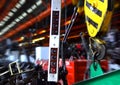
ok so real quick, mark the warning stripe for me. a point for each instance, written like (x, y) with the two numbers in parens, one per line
(94, 9)
(92, 22)
(102, 0)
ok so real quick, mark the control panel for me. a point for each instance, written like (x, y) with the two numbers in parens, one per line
(54, 40)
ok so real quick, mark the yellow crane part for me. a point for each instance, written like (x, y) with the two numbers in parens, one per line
(98, 15)
(79, 4)
(95, 12)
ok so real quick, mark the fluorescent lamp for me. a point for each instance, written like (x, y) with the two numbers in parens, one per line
(2, 23)
(39, 2)
(0, 33)
(10, 14)
(62, 34)
(6, 18)
(10, 25)
(29, 10)
(13, 23)
(5, 29)
(43, 31)
(17, 20)
(14, 10)
(21, 17)
(18, 5)
(22, 1)
(34, 7)
(38, 39)
(24, 14)
(35, 34)
(20, 44)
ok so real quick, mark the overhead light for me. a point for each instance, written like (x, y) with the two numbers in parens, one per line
(20, 44)
(6, 18)
(22, 1)
(14, 10)
(67, 22)
(42, 38)
(13, 23)
(18, 5)
(38, 39)
(39, 2)
(10, 25)
(62, 35)
(17, 19)
(10, 14)
(5, 29)
(35, 34)
(21, 17)
(21, 39)
(2, 23)
(29, 10)
(24, 14)
(34, 7)
(0, 33)
(43, 31)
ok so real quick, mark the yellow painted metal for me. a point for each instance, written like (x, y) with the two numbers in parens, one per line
(91, 13)
(105, 26)
(80, 10)
(99, 41)
(75, 2)
(79, 4)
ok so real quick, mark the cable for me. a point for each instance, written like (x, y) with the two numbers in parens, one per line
(65, 14)
(74, 15)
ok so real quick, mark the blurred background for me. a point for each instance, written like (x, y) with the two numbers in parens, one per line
(25, 25)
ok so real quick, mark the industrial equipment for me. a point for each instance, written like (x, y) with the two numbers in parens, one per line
(54, 40)
(98, 16)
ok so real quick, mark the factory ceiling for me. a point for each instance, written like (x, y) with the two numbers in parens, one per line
(29, 20)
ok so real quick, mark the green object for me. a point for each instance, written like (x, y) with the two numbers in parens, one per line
(95, 70)
(111, 78)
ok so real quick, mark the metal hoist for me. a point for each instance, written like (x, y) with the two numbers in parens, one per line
(98, 15)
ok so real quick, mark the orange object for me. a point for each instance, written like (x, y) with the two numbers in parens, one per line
(76, 70)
